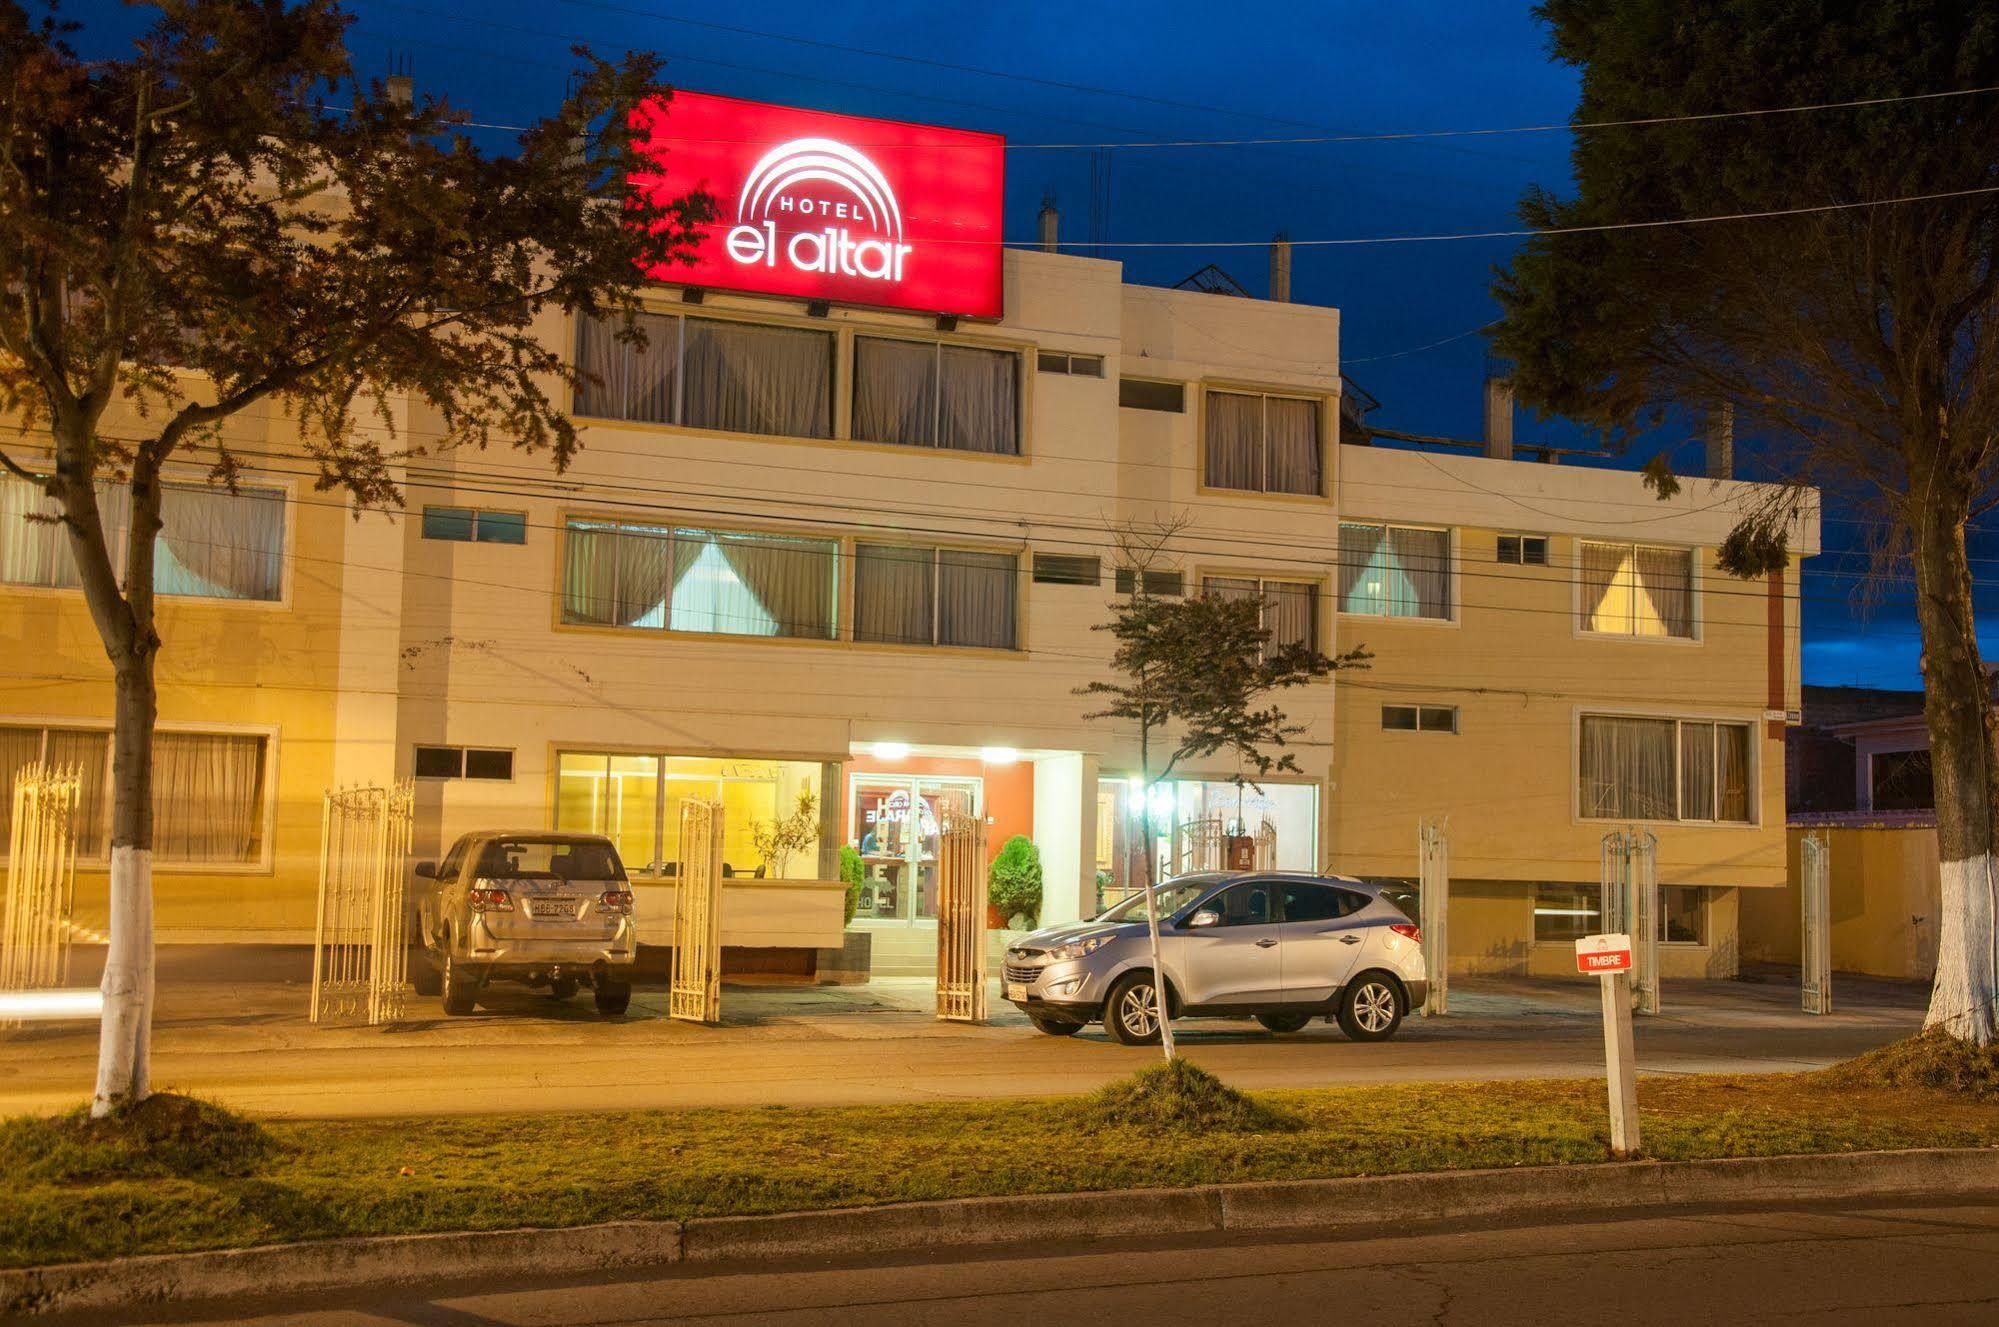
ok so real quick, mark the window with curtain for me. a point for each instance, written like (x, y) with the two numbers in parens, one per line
(1258, 443)
(916, 595)
(1664, 769)
(709, 373)
(1395, 570)
(1637, 590)
(1290, 608)
(931, 394)
(213, 544)
(720, 582)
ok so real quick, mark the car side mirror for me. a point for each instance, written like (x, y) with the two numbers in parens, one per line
(1204, 918)
(428, 870)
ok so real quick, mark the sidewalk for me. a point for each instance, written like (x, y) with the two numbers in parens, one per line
(232, 1025)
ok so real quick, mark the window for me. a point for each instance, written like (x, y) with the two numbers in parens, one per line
(213, 544)
(929, 394)
(460, 762)
(467, 525)
(1664, 769)
(1263, 444)
(1066, 569)
(1319, 903)
(1290, 608)
(85, 749)
(1526, 550)
(1682, 915)
(1157, 583)
(673, 578)
(635, 801)
(709, 374)
(1146, 394)
(1901, 781)
(1567, 912)
(1244, 905)
(1076, 366)
(1635, 590)
(1395, 571)
(1420, 718)
(906, 595)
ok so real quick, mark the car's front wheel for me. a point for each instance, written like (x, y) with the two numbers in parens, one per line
(1284, 1022)
(1370, 1008)
(1131, 1014)
(459, 987)
(1054, 1027)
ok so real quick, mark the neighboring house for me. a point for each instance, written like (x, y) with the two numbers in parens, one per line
(863, 554)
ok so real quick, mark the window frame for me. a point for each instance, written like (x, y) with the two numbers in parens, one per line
(837, 369)
(1180, 408)
(1126, 580)
(1068, 360)
(1096, 565)
(1416, 716)
(478, 515)
(1021, 400)
(1696, 601)
(1453, 572)
(1754, 775)
(937, 550)
(1520, 542)
(1204, 574)
(1328, 431)
(464, 753)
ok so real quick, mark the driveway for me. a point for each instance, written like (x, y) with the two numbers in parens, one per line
(232, 1025)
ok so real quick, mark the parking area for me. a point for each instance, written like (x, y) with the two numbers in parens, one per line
(232, 1025)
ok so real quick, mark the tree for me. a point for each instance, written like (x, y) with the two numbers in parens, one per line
(1860, 343)
(195, 208)
(1194, 677)
(777, 841)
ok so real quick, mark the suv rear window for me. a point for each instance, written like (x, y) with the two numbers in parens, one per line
(516, 859)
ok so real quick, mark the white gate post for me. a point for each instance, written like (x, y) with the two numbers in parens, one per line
(694, 994)
(1815, 932)
(1433, 856)
(961, 917)
(1644, 860)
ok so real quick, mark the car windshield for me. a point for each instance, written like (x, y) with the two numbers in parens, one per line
(1172, 896)
(559, 859)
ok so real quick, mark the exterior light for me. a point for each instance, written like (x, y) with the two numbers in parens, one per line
(998, 755)
(1161, 797)
(891, 750)
(51, 1006)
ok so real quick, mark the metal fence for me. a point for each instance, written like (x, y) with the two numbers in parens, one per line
(1815, 928)
(695, 992)
(360, 957)
(1630, 877)
(35, 925)
(1433, 867)
(961, 918)
(1198, 845)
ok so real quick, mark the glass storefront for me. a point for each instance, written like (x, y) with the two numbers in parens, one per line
(894, 820)
(635, 801)
(1195, 818)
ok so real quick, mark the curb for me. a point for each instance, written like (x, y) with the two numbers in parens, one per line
(387, 1262)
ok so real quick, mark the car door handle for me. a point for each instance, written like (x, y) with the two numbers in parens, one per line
(1265, 943)
(1349, 939)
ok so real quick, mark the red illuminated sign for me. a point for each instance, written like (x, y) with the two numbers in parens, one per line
(832, 207)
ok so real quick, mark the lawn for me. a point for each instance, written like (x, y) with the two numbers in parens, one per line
(183, 1176)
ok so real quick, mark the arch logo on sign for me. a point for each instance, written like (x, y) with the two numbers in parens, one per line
(832, 207)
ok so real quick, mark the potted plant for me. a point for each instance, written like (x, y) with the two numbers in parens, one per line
(776, 840)
(852, 871)
(1013, 884)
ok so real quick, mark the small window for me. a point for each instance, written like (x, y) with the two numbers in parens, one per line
(1145, 394)
(1438, 718)
(1399, 718)
(449, 523)
(1076, 366)
(502, 527)
(1160, 584)
(466, 525)
(484, 764)
(457, 762)
(1524, 550)
(1066, 569)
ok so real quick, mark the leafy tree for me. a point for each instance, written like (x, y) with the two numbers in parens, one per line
(190, 232)
(1013, 882)
(1194, 678)
(1860, 344)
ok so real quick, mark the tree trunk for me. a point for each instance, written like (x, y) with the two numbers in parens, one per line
(1958, 709)
(1151, 900)
(124, 1048)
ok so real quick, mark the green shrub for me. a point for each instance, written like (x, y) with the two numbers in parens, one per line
(166, 1135)
(1014, 884)
(1177, 1095)
(852, 871)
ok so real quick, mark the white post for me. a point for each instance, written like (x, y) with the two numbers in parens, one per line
(1815, 890)
(1433, 855)
(1620, 1063)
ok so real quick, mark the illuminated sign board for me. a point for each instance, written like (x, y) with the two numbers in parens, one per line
(832, 207)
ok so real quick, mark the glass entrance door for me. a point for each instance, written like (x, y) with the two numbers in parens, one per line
(895, 824)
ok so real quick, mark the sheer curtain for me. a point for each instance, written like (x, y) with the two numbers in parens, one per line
(1665, 581)
(1697, 771)
(1293, 445)
(601, 360)
(653, 374)
(208, 797)
(1606, 598)
(88, 750)
(1361, 586)
(744, 378)
(614, 575)
(894, 593)
(977, 594)
(1291, 612)
(978, 395)
(18, 747)
(1732, 777)
(221, 545)
(31, 551)
(1235, 441)
(789, 582)
(1421, 560)
(895, 391)
(1627, 768)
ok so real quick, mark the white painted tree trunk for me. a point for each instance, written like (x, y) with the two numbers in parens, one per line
(1967, 983)
(124, 1048)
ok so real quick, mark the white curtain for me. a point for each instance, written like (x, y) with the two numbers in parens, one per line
(616, 575)
(221, 545)
(744, 378)
(894, 593)
(895, 391)
(1605, 605)
(88, 751)
(1235, 441)
(208, 797)
(1292, 445)
(18, 747)
(601, 359)
(754, 585)
(31, 550)
(1627, 768)
(1421, 560)
(1697, 771)
(1732, 772)
(976, 598)
(978, 396)
(652, 374)
(1362, 589)
(1291, 612)
(1665, 581)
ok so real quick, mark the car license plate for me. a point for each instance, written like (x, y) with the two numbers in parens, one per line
(1016, 990)
(551, 907)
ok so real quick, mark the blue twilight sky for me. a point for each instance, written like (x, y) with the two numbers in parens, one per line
(1042, 73)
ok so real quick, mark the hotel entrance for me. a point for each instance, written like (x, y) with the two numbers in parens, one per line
(895, 820)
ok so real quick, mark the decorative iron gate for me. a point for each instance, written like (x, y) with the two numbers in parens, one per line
(1630, 881)
(1815, 930)
(695, 994)
(35, 927)
(1433, 864)
(961, 918)
(360, 955)
(1266, 847)
(1197, 846)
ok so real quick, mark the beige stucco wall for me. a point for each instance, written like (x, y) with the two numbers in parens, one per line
(1885, 893)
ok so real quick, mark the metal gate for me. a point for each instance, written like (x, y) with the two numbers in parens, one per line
(695, 993)
(1815, 930)
(360, 954)
(36, 925)
(1630, 881)
(961, 917)
(1266, 847)
(1433, 861)
(1197, 846)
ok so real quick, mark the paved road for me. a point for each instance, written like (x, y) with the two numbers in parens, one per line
(246, 1042)
(1932, 1266)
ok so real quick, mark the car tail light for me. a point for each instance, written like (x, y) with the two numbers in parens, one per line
(483, 897)
(1405, 929)
(615, 901)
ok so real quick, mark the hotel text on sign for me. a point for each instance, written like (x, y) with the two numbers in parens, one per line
(832, 207)
(1601, 955)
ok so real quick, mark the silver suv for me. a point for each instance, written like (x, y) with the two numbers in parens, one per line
(1282, 949)
(551, 910)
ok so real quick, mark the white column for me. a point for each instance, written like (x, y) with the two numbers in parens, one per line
(1065, 830)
